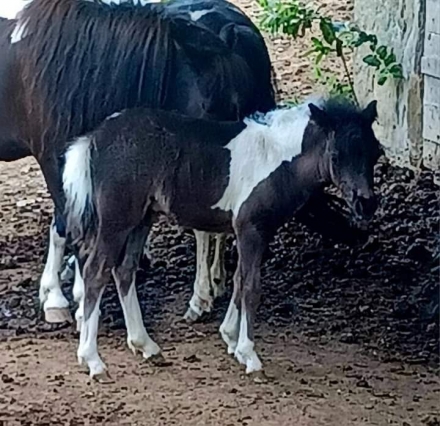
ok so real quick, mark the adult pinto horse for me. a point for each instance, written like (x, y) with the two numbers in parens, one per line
(68, 64)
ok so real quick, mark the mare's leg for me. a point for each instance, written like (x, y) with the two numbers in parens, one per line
(201, 300)
(125, 275)
(55, 305)
(69, 269)
(251, 246)
(78, 295)
(218, 271)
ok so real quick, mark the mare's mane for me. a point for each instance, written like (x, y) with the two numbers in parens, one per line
(84, 60)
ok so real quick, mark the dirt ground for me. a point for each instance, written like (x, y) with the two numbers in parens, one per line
(348, 335)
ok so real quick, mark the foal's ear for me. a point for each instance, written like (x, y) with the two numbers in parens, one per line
(319, 116)
(370, 112)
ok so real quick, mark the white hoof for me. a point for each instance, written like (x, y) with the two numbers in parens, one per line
(148, 348)
(191, 316)
(57, 315)
(246, 355)
(95, 364)
(197, 307)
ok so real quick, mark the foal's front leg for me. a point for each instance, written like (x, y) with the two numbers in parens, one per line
(55, 305)
(238, 327)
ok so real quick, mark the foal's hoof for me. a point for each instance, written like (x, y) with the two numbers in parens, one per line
(159, 361)
(57, 315)
(191, 315)
(258, 377)
(103, 378)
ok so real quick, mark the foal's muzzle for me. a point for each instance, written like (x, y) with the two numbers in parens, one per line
(363, 209)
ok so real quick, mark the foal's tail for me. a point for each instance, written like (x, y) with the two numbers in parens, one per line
(78, 186)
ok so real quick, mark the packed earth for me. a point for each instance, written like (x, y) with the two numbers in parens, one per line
(349, 335)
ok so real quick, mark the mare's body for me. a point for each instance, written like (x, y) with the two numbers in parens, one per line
(66, 65)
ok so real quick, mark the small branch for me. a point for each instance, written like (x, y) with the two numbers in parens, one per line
(348, 75)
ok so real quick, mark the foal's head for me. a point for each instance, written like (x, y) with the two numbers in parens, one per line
(351, 152)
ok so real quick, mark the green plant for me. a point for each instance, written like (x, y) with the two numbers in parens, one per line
(295, 19)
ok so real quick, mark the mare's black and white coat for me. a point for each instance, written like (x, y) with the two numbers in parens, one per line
(242, 177)
(198, 58)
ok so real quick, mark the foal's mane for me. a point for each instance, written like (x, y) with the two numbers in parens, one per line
(84, 60)
(341, 111)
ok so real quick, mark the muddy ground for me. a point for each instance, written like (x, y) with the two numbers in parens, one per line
(349, 335)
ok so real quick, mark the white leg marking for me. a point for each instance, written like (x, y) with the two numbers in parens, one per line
(218, 271)
(230, 327)
(245, 352)
(88, 342)
(201, 301)
(78, 296)
(69, 269)
(51, 296)
(137, 337)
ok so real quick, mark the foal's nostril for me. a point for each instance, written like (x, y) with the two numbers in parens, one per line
(365, 207)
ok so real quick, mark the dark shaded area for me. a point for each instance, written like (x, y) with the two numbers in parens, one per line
(382, 293)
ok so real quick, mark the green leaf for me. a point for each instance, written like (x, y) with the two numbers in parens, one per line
(382, 80)
(390, 59)
(317, 43)
(373, 40)
(382, 52)
(396, 71)
(327, 30)
(372, 61)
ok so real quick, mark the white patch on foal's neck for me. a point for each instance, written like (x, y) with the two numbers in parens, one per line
(260, 149)
(196, 15)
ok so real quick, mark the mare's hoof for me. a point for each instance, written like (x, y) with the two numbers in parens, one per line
(103, 378)
(57, 315)
(159, 360)
(191, 315)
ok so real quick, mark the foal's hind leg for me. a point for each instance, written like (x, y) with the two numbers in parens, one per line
(96, 274)
(55, 305)
(201, 300)
(125, 275)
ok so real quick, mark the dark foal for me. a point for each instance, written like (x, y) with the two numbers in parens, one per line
(245, 178)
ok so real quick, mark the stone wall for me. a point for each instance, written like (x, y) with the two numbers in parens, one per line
(398, 24)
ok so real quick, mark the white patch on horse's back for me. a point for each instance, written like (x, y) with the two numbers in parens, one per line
(119, 2)
(77, 179)
(259, 150)
(196, 15)
(114, 115)
(19, 32)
